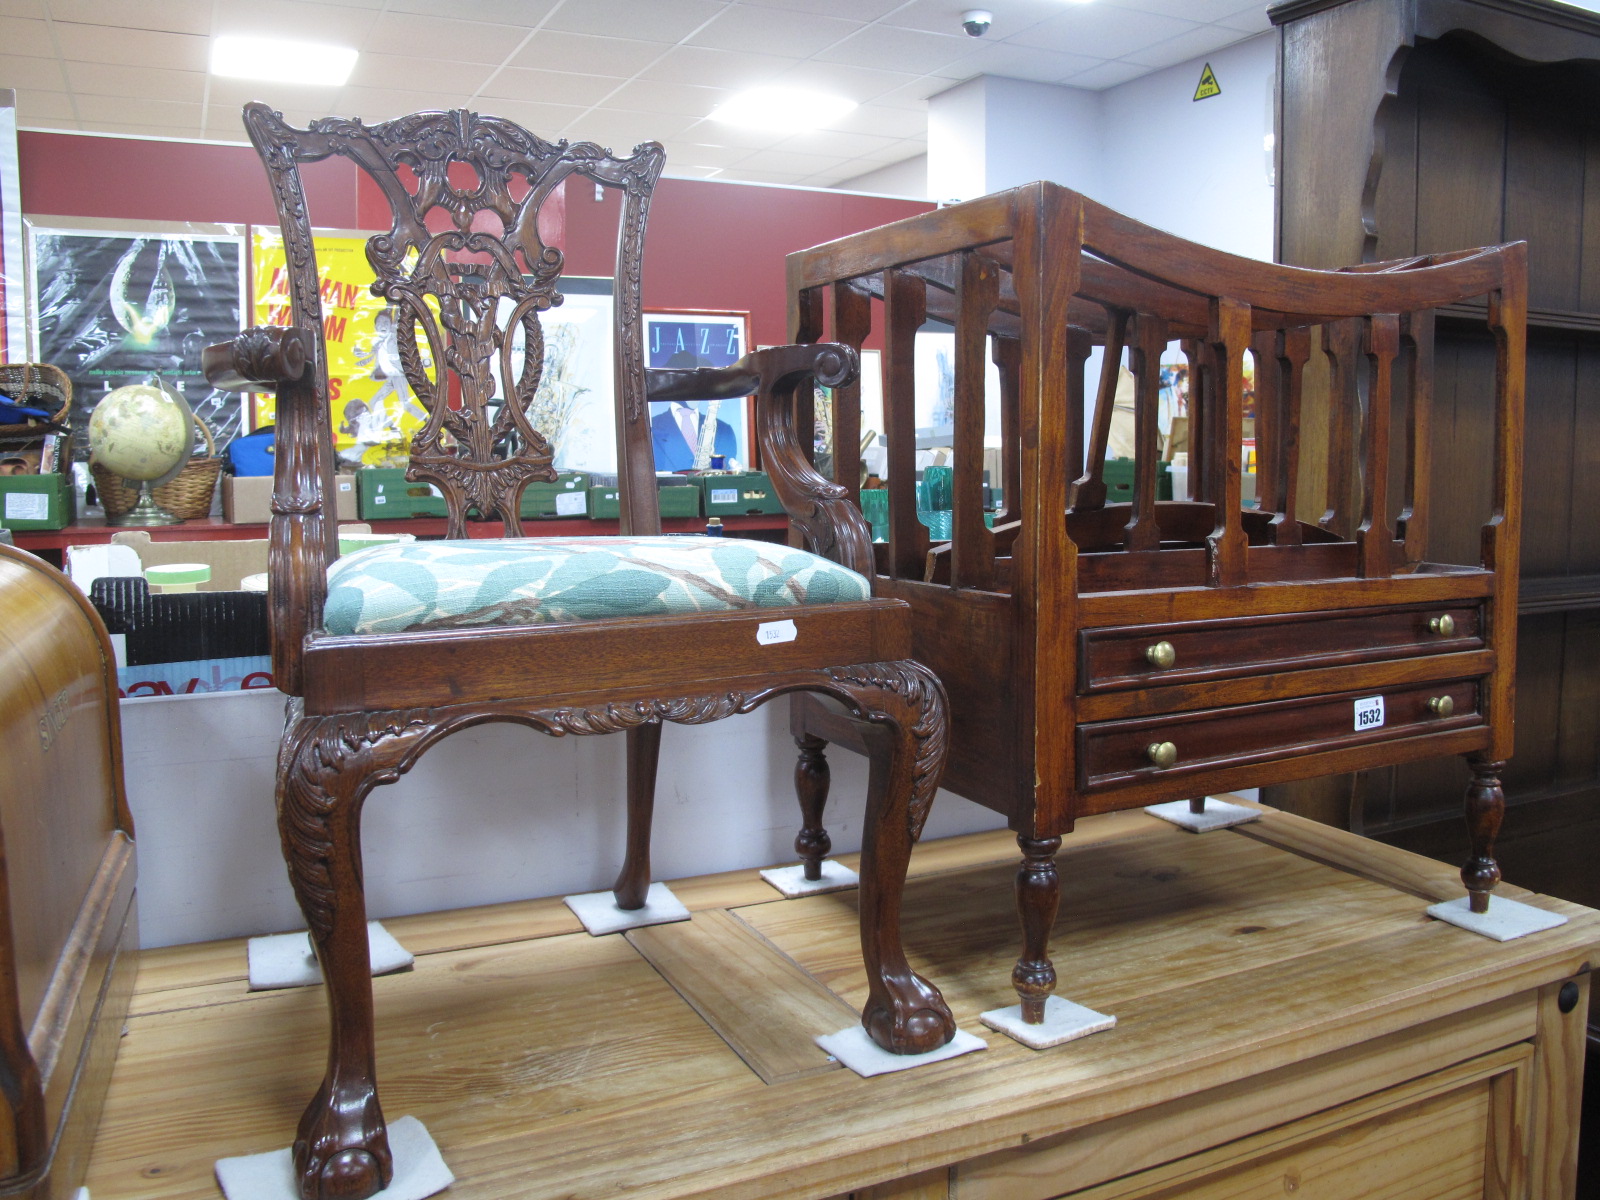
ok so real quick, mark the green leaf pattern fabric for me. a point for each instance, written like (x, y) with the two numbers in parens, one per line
(537, 581)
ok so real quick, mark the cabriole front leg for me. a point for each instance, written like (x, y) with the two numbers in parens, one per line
(1486, 805)
(905, 1014)
(325, 770)
(644, 752)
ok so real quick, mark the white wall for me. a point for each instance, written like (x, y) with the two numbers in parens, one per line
(493, 813)
(1147, 148)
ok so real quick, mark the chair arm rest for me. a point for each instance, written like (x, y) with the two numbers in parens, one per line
(819, 508)
(261, 355)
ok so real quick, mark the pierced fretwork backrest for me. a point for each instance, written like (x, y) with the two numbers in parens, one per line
(467, 272)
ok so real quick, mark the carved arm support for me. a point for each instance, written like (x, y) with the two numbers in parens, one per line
(831, 524)
(264, 355)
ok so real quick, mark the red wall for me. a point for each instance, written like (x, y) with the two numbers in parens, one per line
(710, 245)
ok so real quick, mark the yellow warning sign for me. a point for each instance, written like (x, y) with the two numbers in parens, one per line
(1208, 85)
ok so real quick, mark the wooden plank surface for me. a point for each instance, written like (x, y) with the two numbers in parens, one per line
(564, 1065)
(718, 963)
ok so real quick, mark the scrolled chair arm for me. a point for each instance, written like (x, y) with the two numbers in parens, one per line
(263, 355)
(832, 526)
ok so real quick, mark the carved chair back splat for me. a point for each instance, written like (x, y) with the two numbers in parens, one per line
(1106, 651)
(388, 650)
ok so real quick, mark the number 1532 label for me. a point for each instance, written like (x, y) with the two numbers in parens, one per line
(1369, 713)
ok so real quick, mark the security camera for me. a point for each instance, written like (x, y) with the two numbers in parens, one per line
(976, 21)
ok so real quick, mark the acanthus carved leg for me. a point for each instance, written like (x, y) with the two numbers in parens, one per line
(644, 751)
(325, 770)
(1038, 895)
(1486, 804)
(811, 783)
(905, 1014)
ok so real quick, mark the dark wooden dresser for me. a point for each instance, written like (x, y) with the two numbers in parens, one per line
(68, 926)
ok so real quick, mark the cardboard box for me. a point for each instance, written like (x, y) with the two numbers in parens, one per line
(37, 501)
(247, 499)
(681, 501)
(738, 495)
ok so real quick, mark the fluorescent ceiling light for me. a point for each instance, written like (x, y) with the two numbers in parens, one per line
(782, 110)
(280, 61)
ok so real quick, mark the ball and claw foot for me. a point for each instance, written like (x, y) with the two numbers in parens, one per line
(343, 1161)
(916, 1022)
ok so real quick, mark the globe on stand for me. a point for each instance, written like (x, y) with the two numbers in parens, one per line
(144, 433)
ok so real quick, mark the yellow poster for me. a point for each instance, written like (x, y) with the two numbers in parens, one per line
(373, 411)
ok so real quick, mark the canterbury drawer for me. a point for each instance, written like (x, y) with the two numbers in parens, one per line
(1114, 752)
(1147, 655)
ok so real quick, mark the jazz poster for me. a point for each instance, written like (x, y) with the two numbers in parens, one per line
(697, 434)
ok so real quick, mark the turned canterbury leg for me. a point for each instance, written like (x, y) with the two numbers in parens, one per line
(811, 782)
(905, 1014)
(325, 771)
(644, 751)
(1486, 804)
(1038, 895)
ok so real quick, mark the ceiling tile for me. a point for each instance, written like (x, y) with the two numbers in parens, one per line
(855, 10)
(942, 16)
(150, 131)
(24, 8)
(680, 99)
(682, 154)
(699, 64)
(1251, 20)
(545, 120)
(1189, 10)
(106, 44)
(773, 29)
(839, 144)
(715, 133)
(1102, 32)
(38, 105)
(1107, 74)
(586, 55)
(385, 104)
(398, 71)
(622, 131)
(1022, 62)
(646, 20)
(171, 16)
(547, 87)
(888, 122)
(234, 94)
(672, 172)
(1196, 42)
(779, 159)
(291, 20)
(20, 35)
(780, 178)
(443, 37)
(93, 110)
(136, 83)
(525, 13)
(860, 84)
(909, 49)
(27, 74)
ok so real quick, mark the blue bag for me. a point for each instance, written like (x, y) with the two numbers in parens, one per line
(251, 454)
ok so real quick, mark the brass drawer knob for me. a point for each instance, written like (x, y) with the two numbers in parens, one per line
(1161, 655)
(1441, 706)
(1162, 754)
(1444, 626)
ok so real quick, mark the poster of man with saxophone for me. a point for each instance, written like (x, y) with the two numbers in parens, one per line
(697, 434)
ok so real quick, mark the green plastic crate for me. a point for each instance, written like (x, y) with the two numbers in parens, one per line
(37, 502)
(385, 494)
(1118, 478)
(677, 501)
(568, 496)
(740, 495)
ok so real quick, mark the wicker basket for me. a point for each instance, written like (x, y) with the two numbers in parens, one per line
(36, 385)
(186, 496)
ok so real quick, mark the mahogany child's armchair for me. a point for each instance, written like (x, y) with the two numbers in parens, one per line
(388, 650)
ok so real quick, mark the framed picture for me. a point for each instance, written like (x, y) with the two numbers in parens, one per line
(698, 434)
(112, 303)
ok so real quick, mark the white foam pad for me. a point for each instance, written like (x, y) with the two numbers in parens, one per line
(792, 881)
(1218, 814)
(599, 912)
(1064, 1021)
(419, 1170)
(287, 960)
(1505, 920)
(81, 1194)
(866, 1058)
